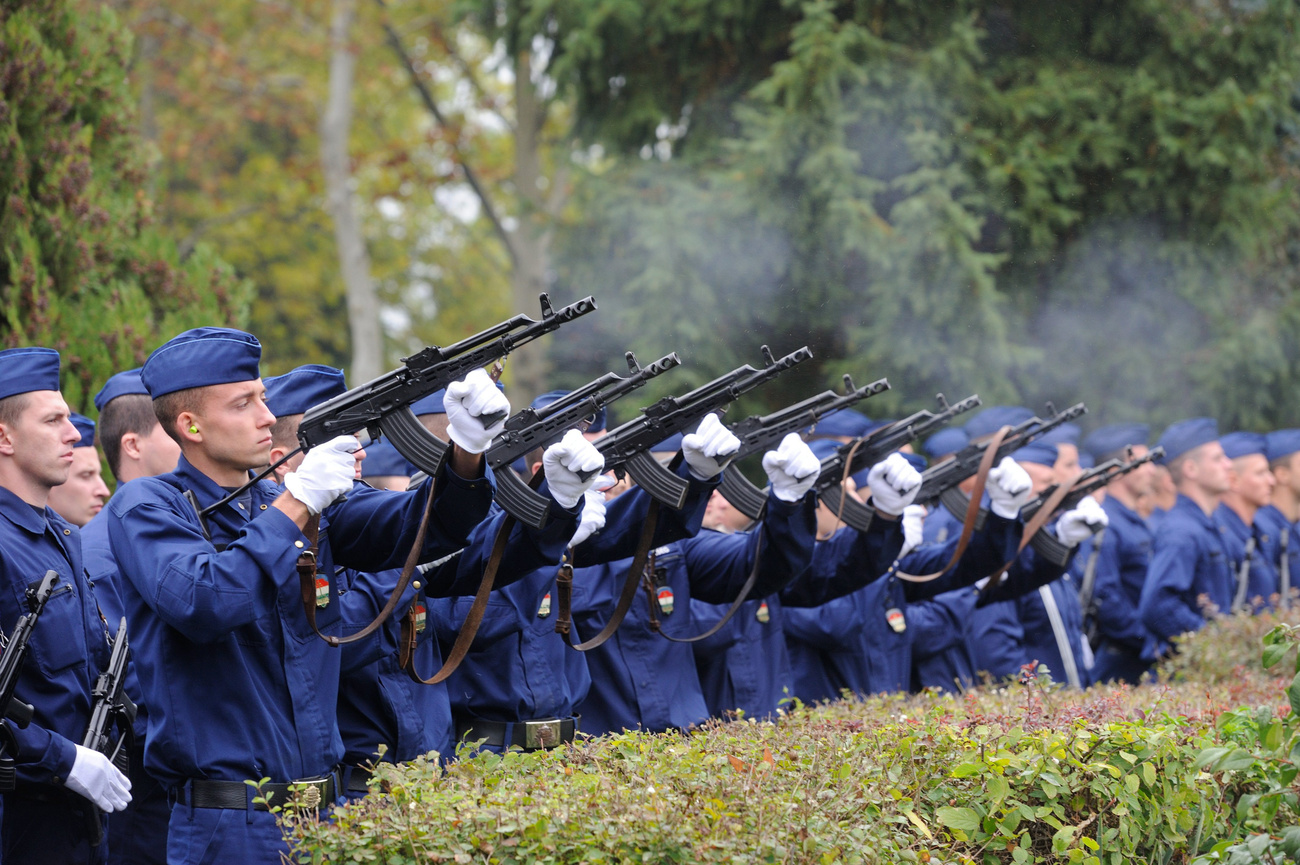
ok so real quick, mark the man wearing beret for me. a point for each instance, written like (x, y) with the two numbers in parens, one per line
(135, 446)
(47, 817)
(1278, 519)
(1189, 567)
(239, 686)
(1254, 574)
(82, 495)
(1126, 649)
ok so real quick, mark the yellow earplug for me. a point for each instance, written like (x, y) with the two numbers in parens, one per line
(193, 428)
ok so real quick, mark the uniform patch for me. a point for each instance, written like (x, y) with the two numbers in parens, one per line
(322, 592)
(421, 614)
(896, 619)
(666, 601)
(545, 609)
(763, 614)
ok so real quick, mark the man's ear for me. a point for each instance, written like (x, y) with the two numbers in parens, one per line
(130, 446)
(187, 421)
(536, 467)
(6, 439)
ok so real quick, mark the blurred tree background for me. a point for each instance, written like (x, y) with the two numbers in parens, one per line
(1093, 201)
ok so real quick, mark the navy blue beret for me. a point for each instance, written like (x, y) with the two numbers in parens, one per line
(946, 441)
(86, 427)
(120, 384)
(597, 424)
(1186, 435)
(1065, 434)
(845, 422)
(1107, 440)
(1086, 460)
(1282, 443)
(23, 370)
(302, 388)
(672, 444)
(382, 459)
(1036, 452)
(202, 357)
(1242, 444)
(991, 420)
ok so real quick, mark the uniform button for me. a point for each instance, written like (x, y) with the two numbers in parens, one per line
(67, 531)
(263, 507)
(241, 506)
(298, 544)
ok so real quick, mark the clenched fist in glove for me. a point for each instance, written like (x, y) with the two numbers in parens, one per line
(709, 448)
(95, 777)
(1076, 526)
(1009, 488)
(913, 528)
(894, 484)
(476, 411)
(326, 474)
(792, 468)
(572, 467)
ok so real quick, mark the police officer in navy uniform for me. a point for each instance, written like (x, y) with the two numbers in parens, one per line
(135, 446)
(239, 686)
(1278, 519)
(47, 817)
(1255, 577)
(1125, 647)
(1189, 566)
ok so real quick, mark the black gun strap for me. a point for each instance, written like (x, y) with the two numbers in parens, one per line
(1032, 528)
(630, 583)
(307, 576)
(748, 587)
(972, 511)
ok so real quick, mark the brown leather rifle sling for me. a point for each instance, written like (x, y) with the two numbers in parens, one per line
(473, 619)
(564, 588)
(307, 576)
(972, 511)
(1032, 528)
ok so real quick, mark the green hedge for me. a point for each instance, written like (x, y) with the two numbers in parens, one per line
(1022, 774)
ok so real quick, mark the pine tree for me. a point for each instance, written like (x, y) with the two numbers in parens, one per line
(82, 269)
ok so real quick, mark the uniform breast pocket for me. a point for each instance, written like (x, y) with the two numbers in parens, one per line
(59, 638)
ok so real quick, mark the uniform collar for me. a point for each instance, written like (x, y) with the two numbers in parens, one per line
(1187, 506)
(22, 514)
(1232, 521)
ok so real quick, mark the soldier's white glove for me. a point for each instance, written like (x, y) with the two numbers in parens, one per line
(709, 448)
(894, 484)
(1009, 488)
(593, 516)
(476, 411)
(913, 528)
(572, 467)
(326, 474)
(1076, 526)
(792, 468)
(95, 777)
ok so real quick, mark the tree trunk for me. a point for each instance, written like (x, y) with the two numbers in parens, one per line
(530, 366)
(354, 261)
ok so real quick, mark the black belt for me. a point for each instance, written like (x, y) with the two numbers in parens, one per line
(238, 796)
(529, 735)
(357, 778)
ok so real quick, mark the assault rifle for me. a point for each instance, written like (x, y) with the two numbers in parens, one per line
(865, 452)
(1089, 482)
(13, 710)
(627, 448)
(759, 434)
(532, 428)
(111, 708)
(383, 406)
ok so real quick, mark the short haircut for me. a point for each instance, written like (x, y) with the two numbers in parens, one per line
(284, 432)
(129, 413)
(12, 408)
(1279, 463)
(169, 406)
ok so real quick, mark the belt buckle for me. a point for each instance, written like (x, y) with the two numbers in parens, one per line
(315, 792)
(541, 734)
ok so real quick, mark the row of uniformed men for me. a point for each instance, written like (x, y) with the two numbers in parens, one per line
(233, 682)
